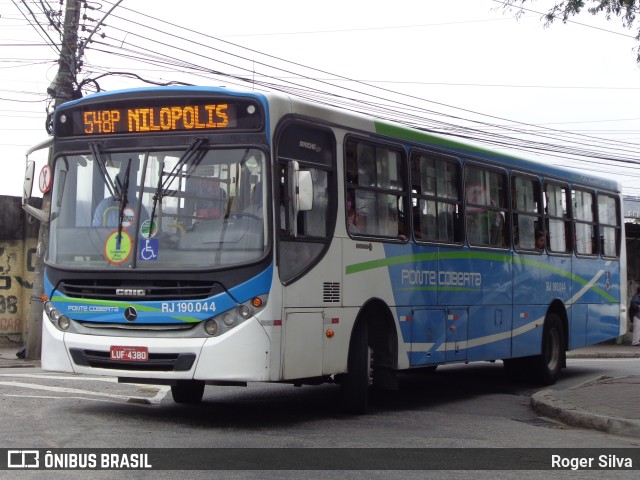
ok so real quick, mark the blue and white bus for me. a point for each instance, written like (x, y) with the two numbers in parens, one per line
(203, 236)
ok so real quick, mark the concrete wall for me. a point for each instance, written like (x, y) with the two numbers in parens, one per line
(18, 241)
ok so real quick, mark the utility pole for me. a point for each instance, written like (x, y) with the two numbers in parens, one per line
(62, 90)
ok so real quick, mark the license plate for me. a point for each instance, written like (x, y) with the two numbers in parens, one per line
(129, 354)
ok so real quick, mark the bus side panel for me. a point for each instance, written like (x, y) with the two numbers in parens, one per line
(305, 344)
(336, 345)
(481, 280)
(468, 277)
(489, 332)
(578, 315)
(603, 323)
(531, 275)
(427, 337)
(596, 284)
(303, 358)
(413, 275)
(526, 337)
(374, 270)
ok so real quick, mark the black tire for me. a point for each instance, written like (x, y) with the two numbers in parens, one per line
(354, 385)
(188, 391)
(546, 367)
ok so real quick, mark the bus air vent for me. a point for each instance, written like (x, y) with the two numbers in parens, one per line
(331, 292)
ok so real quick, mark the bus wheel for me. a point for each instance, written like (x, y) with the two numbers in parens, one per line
(546, 366)
(187, 391)
(354, 385)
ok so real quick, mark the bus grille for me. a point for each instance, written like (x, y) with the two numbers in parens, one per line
(158, 362)
(139, 291)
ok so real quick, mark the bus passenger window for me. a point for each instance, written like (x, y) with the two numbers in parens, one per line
(435, 190)
(486, 213)
(585, 228)
(610, 230)
(526, 203)
(375, 190)
(557, 218)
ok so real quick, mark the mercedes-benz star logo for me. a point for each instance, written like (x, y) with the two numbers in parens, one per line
(130, 314)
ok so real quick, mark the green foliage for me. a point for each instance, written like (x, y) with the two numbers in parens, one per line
(625, 10)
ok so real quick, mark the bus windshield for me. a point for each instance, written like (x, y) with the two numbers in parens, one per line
(159, 209)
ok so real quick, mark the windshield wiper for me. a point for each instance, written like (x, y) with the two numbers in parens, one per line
(192, 152)
(102, 168)
(124, 188)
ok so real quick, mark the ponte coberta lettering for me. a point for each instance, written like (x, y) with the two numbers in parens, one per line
(444, 278)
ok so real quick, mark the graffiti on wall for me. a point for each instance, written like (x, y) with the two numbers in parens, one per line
(17, 265)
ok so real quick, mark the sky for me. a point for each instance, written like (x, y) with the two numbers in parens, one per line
(443, 65)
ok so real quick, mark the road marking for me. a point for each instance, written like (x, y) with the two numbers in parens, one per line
(61, 377)
(161, 393)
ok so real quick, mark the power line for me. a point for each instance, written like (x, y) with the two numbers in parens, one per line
(381, 105)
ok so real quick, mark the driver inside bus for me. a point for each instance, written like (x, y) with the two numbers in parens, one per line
(107, 211)
(209, 198)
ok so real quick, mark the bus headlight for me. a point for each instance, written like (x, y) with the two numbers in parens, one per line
(228, 320)
(211, 327)
(62, 322)
(232, 318)
(244, 311)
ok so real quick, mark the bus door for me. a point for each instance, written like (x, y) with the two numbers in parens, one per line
(456, 334)
(427, 337)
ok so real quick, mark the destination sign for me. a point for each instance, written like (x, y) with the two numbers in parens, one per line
(155, 116)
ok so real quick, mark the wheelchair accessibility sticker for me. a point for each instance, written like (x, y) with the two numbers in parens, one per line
(148, 249)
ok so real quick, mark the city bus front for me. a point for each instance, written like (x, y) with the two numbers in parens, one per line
(159, 263)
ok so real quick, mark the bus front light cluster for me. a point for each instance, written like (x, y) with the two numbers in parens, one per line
(224, 322)
(60, 321)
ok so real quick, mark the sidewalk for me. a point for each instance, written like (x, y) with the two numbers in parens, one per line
(605, 403)
(609, 404)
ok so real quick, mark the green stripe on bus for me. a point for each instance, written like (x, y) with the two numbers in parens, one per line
(422, 257)
(405, 133)
(486, 256)
(141, 308)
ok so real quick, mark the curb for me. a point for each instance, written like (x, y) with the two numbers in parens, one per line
(546, 403)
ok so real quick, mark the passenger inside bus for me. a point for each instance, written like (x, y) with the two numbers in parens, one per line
(255, 207)
(540, 240)
(210, 199)
(352, 215)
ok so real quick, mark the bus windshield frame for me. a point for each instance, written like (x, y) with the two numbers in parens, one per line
(152, 208)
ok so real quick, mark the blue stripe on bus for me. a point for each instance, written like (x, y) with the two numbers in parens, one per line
(461, 304)
(160, 312)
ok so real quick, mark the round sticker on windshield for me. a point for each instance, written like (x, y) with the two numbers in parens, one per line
(117, 247)
(128, 216)
(148, 229)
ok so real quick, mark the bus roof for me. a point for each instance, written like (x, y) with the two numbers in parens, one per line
(373, 125)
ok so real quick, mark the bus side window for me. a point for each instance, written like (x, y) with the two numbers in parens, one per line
(486, 207)
(557, 218)
(584, 221)
(526, 205)
(375, 190)
(436, 198)
(610, 230)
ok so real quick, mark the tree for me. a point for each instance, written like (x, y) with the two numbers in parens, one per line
(625, 10)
